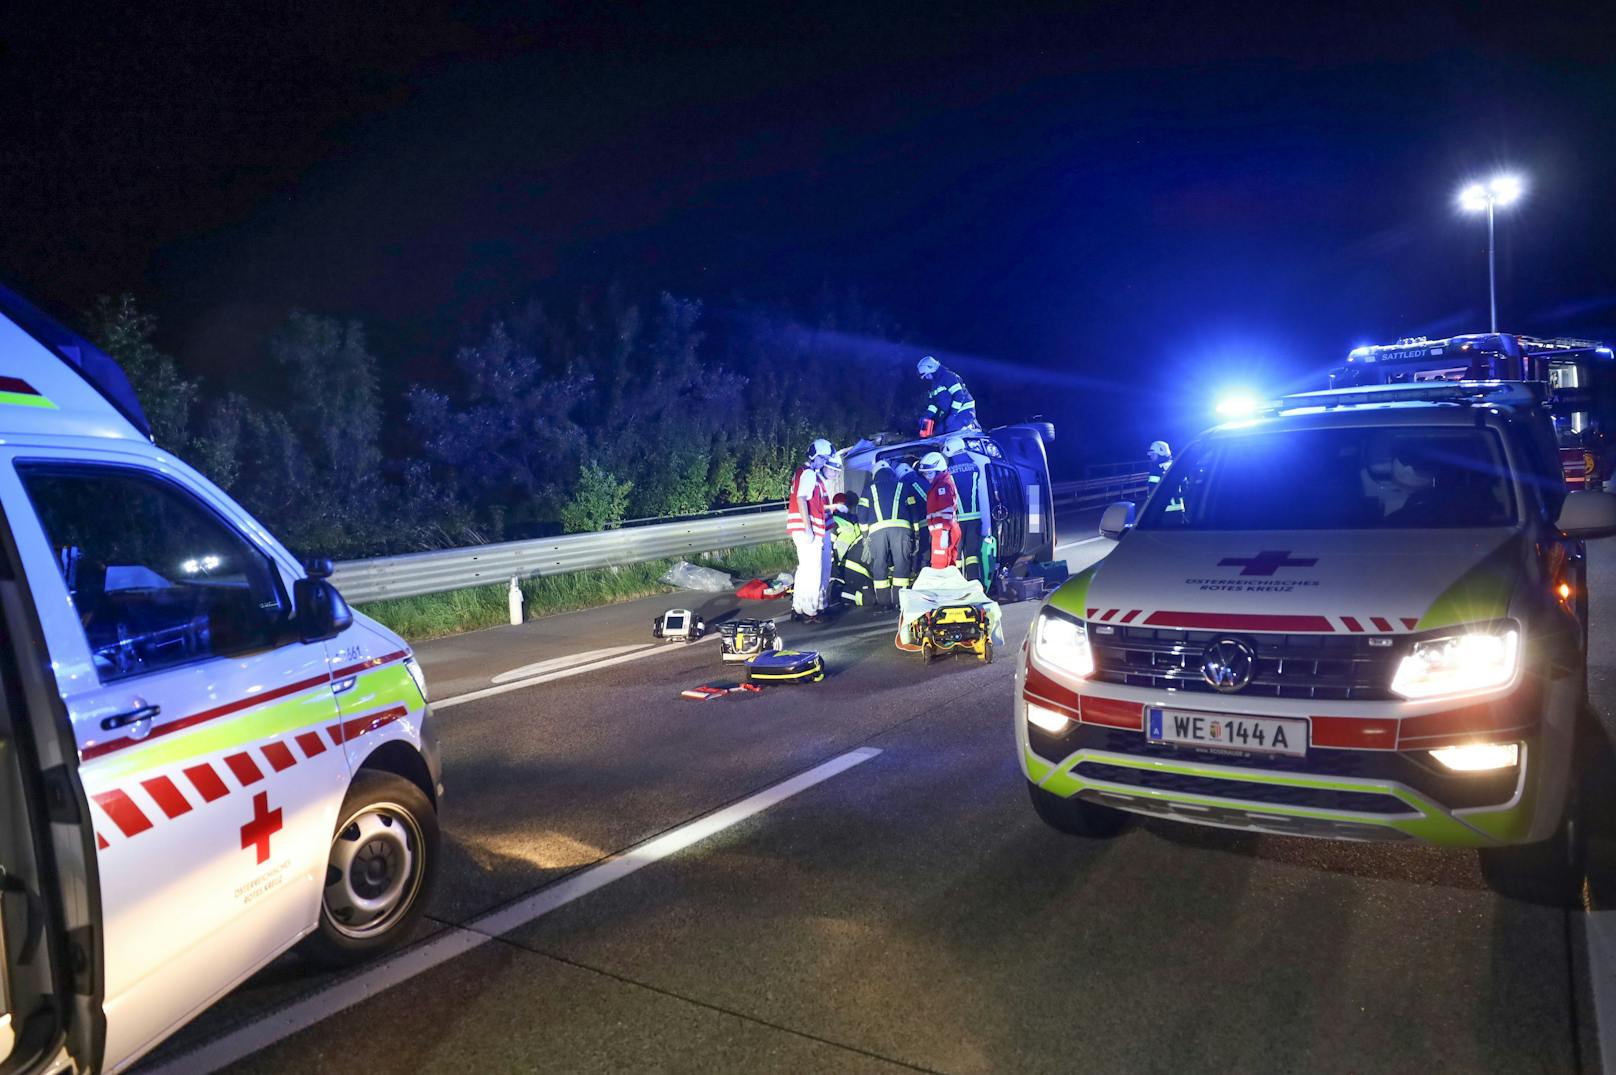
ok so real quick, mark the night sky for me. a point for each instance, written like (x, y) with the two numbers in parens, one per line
(1125, 200)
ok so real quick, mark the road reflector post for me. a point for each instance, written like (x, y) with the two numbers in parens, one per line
(514, 596)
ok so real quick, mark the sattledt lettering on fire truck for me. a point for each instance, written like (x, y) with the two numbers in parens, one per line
(1387, 643)
(205, 756)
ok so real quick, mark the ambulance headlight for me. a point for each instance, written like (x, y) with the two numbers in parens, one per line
(1467, 663)
(1063, 643)
(414, 668)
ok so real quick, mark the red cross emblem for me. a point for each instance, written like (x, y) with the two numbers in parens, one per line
(264, 824)
(1266, 562)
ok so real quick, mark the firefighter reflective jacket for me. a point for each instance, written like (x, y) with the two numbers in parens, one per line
(949, 396)
(912, 507)
(882, 507)
(968, 482)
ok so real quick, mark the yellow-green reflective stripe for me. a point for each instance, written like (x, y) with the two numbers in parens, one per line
(379, 688)
(1433, 824)
(312, 707)
(886, 525)
(20, 399)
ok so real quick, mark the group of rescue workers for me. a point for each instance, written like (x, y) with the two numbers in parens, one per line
(865, 550)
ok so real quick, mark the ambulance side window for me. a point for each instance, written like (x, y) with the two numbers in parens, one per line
(157, 578)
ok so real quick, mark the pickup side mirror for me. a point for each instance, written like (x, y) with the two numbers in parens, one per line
(319, 609)
(1117, 520)
(1588, 514)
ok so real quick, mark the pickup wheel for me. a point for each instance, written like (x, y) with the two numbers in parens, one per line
(384, 855)
(1074, 816)
(1547, 873)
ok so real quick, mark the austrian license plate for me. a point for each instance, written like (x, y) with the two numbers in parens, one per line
(1218, 731)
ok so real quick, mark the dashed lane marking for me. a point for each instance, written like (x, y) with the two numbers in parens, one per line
(283, 1022)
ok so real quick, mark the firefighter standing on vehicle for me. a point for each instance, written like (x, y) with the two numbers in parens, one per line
(889, 534)
(807, 521)
(942, 510)
(968, 485)
(950, 407)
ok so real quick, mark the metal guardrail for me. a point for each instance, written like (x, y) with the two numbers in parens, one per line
(441, 571)
(413, 574)
(1098, 492)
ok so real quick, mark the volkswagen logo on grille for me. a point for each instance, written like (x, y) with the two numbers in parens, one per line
(1227, 664)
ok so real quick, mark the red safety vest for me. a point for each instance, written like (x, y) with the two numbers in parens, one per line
(814, 524)
(942, 501)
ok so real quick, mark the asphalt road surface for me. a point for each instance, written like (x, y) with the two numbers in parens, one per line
(899, 907)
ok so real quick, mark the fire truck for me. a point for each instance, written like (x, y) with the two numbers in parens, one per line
(1580, 375)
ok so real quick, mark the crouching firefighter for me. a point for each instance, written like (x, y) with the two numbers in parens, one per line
(849, 555)
(950, 407)
(888, 531)
(807, 519)
(942, 510)
(968, 485)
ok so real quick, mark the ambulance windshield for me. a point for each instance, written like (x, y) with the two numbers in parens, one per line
(1369, 478)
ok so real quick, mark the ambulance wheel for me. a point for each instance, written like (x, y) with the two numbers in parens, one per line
(1074, 816)
(987, 650)
(383, 856)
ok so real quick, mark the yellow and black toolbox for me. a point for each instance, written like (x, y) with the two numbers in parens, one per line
(786, 666)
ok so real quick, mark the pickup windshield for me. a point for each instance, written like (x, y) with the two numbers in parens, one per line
(1367, 478)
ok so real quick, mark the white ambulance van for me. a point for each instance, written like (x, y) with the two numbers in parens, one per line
(205, 756)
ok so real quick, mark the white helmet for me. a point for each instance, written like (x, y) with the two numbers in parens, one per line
(928, 366)
(880, 465)
(1159, 448)
(932, 463)
(820, 450)
(903, 469)
(954, 446)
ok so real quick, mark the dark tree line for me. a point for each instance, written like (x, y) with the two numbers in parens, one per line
(551, 421)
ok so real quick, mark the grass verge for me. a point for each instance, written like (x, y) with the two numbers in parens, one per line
(440, 614)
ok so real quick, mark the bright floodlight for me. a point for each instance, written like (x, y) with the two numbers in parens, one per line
(1237, 405)
(1473, 199)
(1505, 189)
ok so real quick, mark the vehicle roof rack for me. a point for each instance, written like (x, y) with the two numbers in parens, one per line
(1463, 393)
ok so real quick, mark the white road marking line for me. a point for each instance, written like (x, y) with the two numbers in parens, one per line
(1075, 544)
(634, 653)
(555, 664)
(283, 1022)
(1599, 935)
(550, 677)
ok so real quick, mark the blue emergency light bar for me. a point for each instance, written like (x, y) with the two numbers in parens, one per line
(1466, 393)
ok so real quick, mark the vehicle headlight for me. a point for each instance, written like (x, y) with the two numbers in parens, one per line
(1468, 663)
(1478, 757)
(414, 668)
(1063, 643)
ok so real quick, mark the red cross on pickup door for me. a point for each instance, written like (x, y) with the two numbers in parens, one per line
(264, 824)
